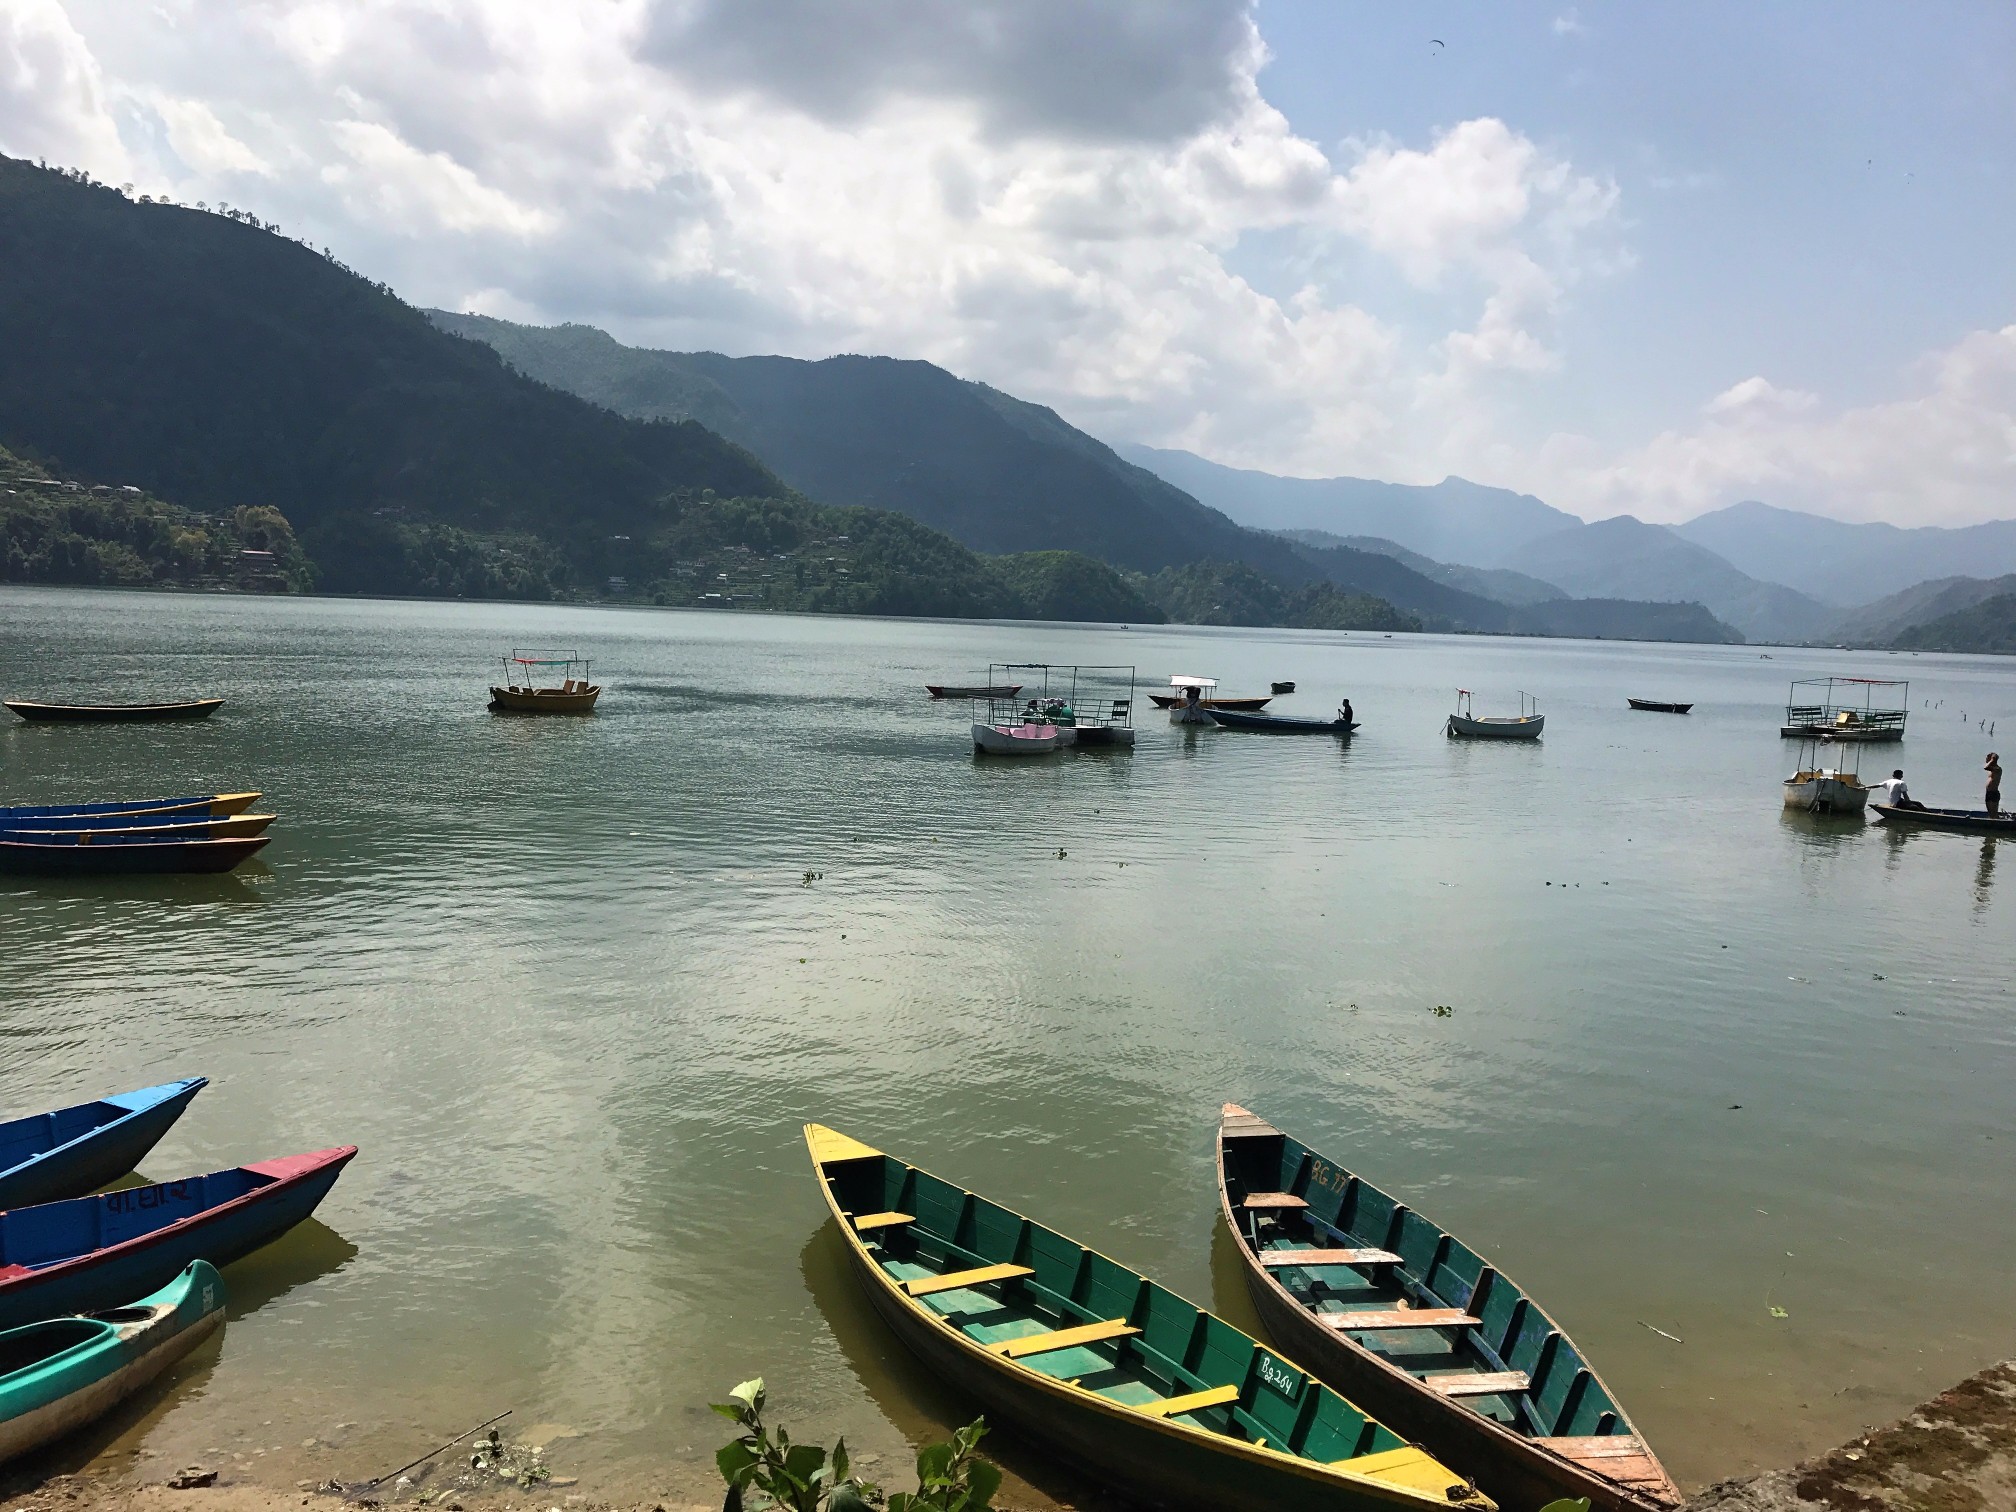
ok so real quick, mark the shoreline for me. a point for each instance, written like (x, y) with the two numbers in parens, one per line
(1954, 1453)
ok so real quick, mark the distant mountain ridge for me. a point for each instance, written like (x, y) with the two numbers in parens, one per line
(1498, 583)
(1843, 563)
(1880, 623)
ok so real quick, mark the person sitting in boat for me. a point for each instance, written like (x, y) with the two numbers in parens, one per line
(1895, 794)
(1344, 714)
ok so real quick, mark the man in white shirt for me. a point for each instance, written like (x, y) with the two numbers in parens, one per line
(1895, 794)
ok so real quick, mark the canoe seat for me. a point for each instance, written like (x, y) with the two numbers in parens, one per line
(868, 1221)
(1487, 1383)
(1196, 1401)
(925, 1286)
(1261, 1202)
(1405, 1317)
(1281, 1258)
(1063, 1338)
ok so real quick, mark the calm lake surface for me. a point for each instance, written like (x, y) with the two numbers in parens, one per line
(569, 986)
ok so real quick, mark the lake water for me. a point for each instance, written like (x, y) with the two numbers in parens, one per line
(569, 986)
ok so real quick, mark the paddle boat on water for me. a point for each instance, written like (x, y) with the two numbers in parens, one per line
(520, 693)
(49, 1156)
(1069, 706)
(62, 1373)
(1820, 789)
(1422, 1331)
(1828, 706)
(1465, 724)
(1145, 1391)
(193, 708)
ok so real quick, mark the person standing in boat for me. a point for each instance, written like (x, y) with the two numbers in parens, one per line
(1993, 796)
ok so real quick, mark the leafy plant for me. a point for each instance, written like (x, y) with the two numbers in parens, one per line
(764, 1469)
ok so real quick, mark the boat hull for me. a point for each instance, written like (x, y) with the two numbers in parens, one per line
(1653, 706)
(156, 1231)
(1238, 705)
(1016, 740)
(79, 857)
(950, 690)
(1972, 821)
(1513, 1468)
(1820, 794)
(1280, 724)
(138, 826)
(1464, 728)
(215, 805)
(1104, 735)
(195, 708)
(113, 1357)
(1868, 736)
(542, 701)
(78, 1149)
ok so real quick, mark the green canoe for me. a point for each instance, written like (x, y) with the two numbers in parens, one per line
(1169, 1405)
(57, 1376)
(1424, 1331)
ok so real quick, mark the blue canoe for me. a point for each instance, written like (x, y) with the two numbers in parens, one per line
(58, 1375)
(95, 1252)
(75, 1150)
(216, 805)
(1279, 724)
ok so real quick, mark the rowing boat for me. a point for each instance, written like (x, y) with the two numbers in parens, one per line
(139, 826)
(1163, 1401)
(1654, 706)
(97, 853)
(1237, 705)
(93, 1252)
(1975, 821)
(953, 690)
(63, 1373)
(1423, 1331)
(49, 1156)
(1280, 724)
(194, 708)
(215, 805)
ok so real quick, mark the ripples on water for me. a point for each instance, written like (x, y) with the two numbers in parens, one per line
(566, 983)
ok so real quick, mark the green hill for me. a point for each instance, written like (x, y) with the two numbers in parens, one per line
(57, 530)
(214, 363)
(1233, 593)
(1987, 626)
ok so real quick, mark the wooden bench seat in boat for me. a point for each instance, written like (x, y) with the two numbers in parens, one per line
(925, 1286)
(1261, 1202)
(870, 1221)
(1482, 1383)
(1196, 1401)
(1405, 1317)
(1063, 1338)
(1282, 1258)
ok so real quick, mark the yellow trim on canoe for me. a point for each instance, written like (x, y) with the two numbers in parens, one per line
(1409, 1467)
(830, 1145)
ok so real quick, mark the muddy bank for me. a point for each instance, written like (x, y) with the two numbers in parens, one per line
(1957, 1453)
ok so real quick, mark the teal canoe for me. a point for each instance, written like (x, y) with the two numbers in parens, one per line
(59, 1375)
(1420, 1329)
(1170, 1406)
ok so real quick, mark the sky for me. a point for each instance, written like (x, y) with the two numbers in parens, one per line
(1633, 259)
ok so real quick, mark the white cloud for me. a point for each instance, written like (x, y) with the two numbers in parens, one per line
(1570, 24)
(387, 176)
(201, 141)
(52, 97)
(1944, 454)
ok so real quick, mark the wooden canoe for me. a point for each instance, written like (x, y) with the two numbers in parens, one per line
(194, 708)
(95, 1252)
(63, 1373)
(1279, 724)
(140, 826)
(950, 690)
(93, 853)
(544, 700)
(1654, 706)
(1974, 821)
(215, 805)
(1445, 1349)
(1246, 705)
(49, 1156)
(1525, 727)
(1163, 1401)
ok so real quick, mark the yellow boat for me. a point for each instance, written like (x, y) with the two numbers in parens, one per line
(519, 695)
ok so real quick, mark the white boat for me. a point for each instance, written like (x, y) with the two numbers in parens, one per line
(1017, 739)
(1192, 693)
(1526, 726)
(1825, 789)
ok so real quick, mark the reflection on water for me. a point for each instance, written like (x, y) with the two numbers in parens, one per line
(568, 985)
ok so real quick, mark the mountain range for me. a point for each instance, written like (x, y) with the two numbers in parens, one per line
(1844, 564)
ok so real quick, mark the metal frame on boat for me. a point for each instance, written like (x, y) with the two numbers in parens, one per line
(1828, 712)
(1063, 705)
(1422, 1331)
(1821, 789)
(1144, 1390)
(1465, 724)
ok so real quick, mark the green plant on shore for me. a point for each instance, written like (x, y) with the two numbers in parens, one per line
(764, 1469)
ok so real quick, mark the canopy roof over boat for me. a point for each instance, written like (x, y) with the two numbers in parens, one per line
(1193, 682)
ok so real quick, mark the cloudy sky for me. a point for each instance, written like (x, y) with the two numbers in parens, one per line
(1630, 258)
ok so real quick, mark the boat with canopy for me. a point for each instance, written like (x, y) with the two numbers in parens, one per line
(1822, 789)
(1846, 708)
(521, 693)
(1465, 724)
